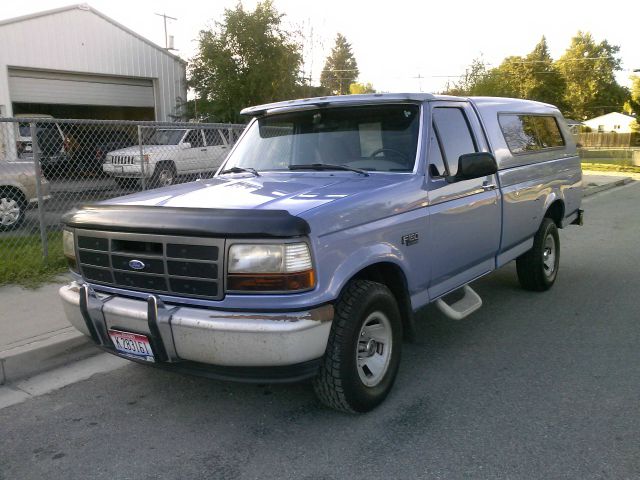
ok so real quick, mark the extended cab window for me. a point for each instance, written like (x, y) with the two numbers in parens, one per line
(530, 133)
(382, 138)
(452, 128)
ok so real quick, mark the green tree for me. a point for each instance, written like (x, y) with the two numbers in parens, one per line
(533, 77)
(632, 106)
(359, 88)
(340, 68)
(478, 80)
(246, 59)
(543, 80)
(588, 69)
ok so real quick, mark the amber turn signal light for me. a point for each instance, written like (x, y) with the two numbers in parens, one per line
(271, 282)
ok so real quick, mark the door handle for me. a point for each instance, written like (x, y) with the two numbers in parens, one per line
(488, 186)
(203, 149)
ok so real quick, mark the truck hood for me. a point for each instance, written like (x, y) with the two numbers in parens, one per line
(135, 150)
(294, 192)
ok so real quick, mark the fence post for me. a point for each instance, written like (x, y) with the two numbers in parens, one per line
(35, 148)
(143, 180)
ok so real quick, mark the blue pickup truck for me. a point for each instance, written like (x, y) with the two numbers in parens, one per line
(331, 223)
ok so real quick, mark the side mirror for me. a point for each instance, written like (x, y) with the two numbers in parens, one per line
(474, 165)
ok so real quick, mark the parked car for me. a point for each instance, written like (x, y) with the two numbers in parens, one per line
(17, 191)
(95, 142)
(169, 153)
(55, 146)
(330, 224)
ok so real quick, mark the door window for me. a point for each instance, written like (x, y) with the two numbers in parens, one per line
(194, 137)
(213, 137)
(436, 161)
(452, 128)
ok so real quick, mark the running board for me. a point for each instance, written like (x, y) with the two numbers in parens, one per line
(464, 307)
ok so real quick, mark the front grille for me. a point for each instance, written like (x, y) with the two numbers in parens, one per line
(124, 159)
(171, 265)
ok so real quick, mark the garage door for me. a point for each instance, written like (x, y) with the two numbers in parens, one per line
(29, 86)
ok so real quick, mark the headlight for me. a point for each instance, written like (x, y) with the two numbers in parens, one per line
(69, 249)
(270, 268)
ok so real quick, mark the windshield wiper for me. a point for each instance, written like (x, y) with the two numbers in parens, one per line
(240, 170)
(328, 166)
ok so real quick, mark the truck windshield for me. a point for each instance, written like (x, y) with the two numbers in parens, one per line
(382, 138)
(166, 137)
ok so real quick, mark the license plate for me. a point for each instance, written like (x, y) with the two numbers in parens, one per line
(132, 345)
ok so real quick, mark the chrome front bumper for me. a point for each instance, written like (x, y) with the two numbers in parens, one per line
(213, 337)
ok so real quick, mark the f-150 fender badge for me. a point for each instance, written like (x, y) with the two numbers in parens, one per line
(410, 239)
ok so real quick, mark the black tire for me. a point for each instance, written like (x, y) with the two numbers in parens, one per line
(163, 175)
(12, 209)
(339, 384)
(536, 271)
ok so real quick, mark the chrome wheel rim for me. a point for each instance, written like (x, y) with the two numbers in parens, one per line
(165, 178)
(9, 211)
(374, 349)
(549, 256)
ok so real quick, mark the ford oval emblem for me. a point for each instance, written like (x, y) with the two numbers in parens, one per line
(136, 264)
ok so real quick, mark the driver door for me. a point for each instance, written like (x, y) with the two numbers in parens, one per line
(465, 216)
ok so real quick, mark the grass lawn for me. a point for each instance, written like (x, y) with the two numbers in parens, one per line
(21, 260)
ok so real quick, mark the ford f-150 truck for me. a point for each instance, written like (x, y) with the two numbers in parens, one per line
(331, 223)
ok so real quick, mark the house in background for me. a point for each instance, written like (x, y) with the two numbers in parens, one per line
(611, 122)
(75, 62)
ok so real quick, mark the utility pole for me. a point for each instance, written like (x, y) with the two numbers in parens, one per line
(166, 38)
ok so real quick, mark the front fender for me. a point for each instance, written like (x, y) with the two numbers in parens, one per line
(362, 258)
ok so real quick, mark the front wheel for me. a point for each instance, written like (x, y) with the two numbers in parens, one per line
(363, 351)
(164, 175)
(538, 268)
(12, 210)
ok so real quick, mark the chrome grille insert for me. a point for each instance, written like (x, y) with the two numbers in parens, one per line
(165, 264)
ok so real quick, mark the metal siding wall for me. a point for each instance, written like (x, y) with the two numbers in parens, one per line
(44, 90)
(83, 42)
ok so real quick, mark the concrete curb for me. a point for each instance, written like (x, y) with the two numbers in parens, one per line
(607, 186)
(43, 353)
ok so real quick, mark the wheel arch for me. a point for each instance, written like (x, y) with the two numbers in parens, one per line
(555, 211)
(17, 190)
(393, 277)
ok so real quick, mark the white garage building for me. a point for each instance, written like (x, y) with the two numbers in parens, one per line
(75, 62)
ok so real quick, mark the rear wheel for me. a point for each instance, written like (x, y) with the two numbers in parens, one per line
(363, 351)
(12, 209)
(538, 268)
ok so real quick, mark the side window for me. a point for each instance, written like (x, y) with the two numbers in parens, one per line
(194, 137)
(436, 162)
(212, 137)
(530, 133)
(453, 130)
(548, 132)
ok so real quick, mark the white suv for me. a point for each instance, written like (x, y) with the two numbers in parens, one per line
(167, 154)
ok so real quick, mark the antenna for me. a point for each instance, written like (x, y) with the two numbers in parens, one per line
(168, 40)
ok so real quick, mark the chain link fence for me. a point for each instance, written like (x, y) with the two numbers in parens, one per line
(49, 166)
